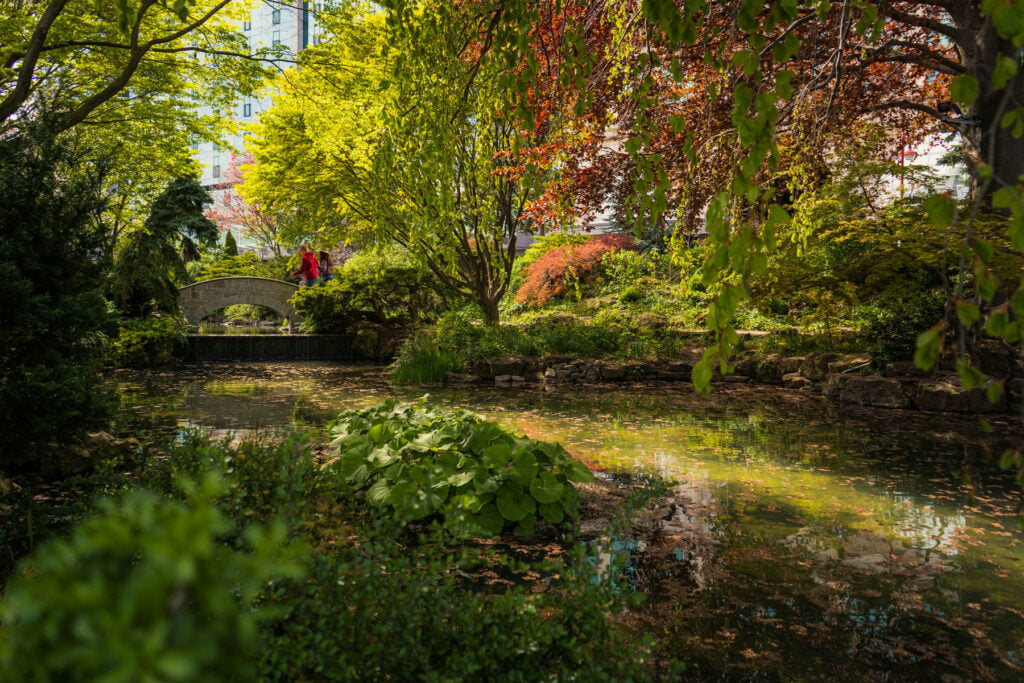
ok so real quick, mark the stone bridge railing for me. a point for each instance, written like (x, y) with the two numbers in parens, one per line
(202, 298)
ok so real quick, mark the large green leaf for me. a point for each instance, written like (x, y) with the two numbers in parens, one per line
(524, 467)
(514, 503)
(379, 494)
(489, 519)
(552, 512)
(577, 471)
(497, 456)
(546, 488)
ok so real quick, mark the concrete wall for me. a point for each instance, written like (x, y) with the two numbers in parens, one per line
(269, 347)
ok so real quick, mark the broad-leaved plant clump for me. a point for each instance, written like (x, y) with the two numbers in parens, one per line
(418, 461)
(568, 269)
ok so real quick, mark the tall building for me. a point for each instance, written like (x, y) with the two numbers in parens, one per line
(270, 24)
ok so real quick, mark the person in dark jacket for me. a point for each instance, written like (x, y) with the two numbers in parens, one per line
(326, 267)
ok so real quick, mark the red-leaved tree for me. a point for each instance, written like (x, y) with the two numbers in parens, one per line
(231, 212)
(566, 269)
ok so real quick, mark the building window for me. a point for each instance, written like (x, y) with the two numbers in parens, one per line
(215, 169)
(275, 38)
(247, 109)
(275, 17)
(246, 25)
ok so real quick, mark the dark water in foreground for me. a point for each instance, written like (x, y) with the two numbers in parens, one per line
(809, 541)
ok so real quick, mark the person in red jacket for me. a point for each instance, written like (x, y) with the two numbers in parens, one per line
(308, 267)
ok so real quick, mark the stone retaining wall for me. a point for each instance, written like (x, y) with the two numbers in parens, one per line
(848, 379)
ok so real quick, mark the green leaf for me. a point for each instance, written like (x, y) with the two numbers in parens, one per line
(497, 456)
(461, 478)
(964, 89)
(379, 494)
(578, 472)
(929, 344)
(489, 519)
(941, 210)
(546, 488)
(994, 391)
(1006, 69)
(702, 373)
(967, 312)
(552, 512)
(513, 503)
(524, 466)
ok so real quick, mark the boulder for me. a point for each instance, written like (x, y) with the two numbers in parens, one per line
(770, 370)
(860, 362)
(947, 394)
(454, 379)
(481, 368)
(792, 363)
(675, 371)
(1015, 390)
(794, 380)
(506, 366)
(997, 358)
(905, 368)
(747, 367)
(612, 372)
(870, 390)
(815, 366)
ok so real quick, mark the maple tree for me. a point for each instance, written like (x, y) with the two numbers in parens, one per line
(568, 267)
(231, 210)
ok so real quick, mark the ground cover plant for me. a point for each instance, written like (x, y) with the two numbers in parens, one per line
(416, 462)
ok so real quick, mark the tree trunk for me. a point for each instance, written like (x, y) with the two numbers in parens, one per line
(986, 141)
(489, 307)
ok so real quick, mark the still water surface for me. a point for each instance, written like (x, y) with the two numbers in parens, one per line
(808, 541)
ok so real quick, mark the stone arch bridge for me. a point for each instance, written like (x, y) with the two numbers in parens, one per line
(202, 298)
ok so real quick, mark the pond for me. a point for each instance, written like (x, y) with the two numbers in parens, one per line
(808, 540)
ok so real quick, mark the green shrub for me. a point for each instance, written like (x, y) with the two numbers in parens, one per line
(892, 326)
(384, 611)
(147, 342)
(383, 288)
(145, 590)
(535, 251)
(420, 462)
(218, 264)
(566, 270)
(262, 479)
(420, 361)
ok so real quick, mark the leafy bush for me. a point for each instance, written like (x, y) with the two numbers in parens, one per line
(384, 611)
(893, 326)
(377, 287)
(145, 590)
(419, 461)
(535, 251)
(147, 342)
(421, 361)
(263, 480)
(568, 268)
